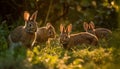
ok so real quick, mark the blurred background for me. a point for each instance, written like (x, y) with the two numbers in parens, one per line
(104, 13)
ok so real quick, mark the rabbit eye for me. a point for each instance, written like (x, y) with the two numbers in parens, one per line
(49, 32)
(66, 37)
(30, 25)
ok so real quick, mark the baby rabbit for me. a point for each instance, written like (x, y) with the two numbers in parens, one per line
(24, 35)
(44, 33)
(99, 32)
(68, 40)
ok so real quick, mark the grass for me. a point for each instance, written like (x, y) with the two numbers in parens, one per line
(53, 56)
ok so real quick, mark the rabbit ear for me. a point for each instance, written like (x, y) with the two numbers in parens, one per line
(48, 25)
(62, 28)
(69, 28)
(91, 25)
(85, 25)
(34, 15)
(26, 16)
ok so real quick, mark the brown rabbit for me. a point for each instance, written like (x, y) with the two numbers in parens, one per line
(99, 32)
(68, 40)
(24, 35)
(44, 33)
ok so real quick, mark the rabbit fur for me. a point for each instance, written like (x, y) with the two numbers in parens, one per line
(44, 33)
(24, 35)
(68, 40)
(99, 32)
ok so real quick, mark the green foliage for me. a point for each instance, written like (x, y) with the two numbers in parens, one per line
(4, 32)
(103, 12)
(3, 36)
(52, 55)
(12, 59)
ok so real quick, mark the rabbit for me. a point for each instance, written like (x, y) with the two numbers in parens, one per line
(101, 33)
(24, 35)
(44, 33)
(69, 40)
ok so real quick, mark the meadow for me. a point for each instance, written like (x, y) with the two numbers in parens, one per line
(52, 55)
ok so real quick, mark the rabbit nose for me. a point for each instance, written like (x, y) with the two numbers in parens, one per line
(64, 38)
(62, 41)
